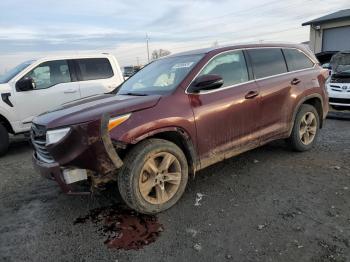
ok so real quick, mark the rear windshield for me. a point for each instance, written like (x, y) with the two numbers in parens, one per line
(161, 76)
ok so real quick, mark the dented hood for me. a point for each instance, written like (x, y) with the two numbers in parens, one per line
(92, 108)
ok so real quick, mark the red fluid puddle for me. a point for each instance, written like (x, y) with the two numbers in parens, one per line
(124, 228)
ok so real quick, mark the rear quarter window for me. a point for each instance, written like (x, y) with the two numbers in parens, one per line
(94, 68)
(267, 62)
(297, 60)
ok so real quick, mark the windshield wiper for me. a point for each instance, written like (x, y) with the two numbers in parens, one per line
(134, 94)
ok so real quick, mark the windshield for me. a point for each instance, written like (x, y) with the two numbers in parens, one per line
(161, 76)
(14, 71)
(340, 63)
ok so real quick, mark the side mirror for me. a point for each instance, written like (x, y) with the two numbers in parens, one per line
(206, 82)
(25, 84)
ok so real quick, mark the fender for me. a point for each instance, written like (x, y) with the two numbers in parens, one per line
(301, 101)
(186, 138)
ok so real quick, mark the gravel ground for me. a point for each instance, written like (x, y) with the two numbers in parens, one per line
(269, 204)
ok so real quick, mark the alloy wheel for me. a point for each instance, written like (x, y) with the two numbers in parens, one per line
(308, 128)
(160, 178)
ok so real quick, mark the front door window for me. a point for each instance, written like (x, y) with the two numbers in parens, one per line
(50, 73)
(230, 66)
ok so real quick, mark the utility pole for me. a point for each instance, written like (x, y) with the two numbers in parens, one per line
(147, 40)
(138, 61)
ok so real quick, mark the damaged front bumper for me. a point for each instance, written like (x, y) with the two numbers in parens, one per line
(53, 171)
(87, 149)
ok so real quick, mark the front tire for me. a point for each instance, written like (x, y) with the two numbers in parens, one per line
(4, 140)
(305, 129)
(154, 176)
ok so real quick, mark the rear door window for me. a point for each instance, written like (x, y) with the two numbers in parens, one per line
(297, 60)
(231, 66)
(94, 68)
(267, 62)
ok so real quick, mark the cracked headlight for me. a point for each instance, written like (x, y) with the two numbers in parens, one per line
(54, 136)
(116, 121)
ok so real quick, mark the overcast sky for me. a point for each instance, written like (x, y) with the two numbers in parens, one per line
(40, 27)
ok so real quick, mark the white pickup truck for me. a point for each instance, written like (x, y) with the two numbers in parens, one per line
(37, 86)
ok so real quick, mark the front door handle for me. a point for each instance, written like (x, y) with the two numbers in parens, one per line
(70, 91)
(295, 81)
(251, 94)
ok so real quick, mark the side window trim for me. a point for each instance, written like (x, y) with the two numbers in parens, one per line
(73, 70)
(248, 64)
(77, 70)
(285, 60)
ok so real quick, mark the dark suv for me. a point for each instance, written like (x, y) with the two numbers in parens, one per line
(180, 114)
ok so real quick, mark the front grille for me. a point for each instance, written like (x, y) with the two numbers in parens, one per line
(340, 88)
(340, 80)
(38, 137)
(339, 100)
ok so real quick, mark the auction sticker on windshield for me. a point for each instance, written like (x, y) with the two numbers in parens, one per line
(183, 65)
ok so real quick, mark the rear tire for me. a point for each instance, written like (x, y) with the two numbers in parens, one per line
(4, 140)
(154, 176)
(305, 129)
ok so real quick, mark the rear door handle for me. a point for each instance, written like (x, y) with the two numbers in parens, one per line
(251, 94)
(295, 81)
(70, 91)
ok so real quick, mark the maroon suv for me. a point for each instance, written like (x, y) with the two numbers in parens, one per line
(180, 114)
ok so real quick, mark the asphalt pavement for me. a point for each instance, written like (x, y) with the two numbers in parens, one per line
(269, 204)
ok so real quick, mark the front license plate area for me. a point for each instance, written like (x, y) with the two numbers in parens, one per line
(74, 175)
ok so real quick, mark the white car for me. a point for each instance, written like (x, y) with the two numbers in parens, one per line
(37, 86)
(338, 85)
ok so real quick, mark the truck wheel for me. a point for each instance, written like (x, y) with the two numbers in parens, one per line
(305, 129)
(154, 176)
(4, 140)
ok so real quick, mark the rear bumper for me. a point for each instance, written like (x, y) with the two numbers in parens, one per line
(54, 172)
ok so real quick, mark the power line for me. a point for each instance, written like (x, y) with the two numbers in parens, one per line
(229, 41)
(224, 33)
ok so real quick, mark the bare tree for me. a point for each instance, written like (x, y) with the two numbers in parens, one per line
(160, 53)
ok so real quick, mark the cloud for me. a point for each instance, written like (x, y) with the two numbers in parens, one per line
(172, 16)
(120, 26)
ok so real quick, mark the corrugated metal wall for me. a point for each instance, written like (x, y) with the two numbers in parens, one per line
(336, 39)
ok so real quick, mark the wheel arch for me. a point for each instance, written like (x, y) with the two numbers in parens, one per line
(179, 137)
(7, 124)
(316, 101)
